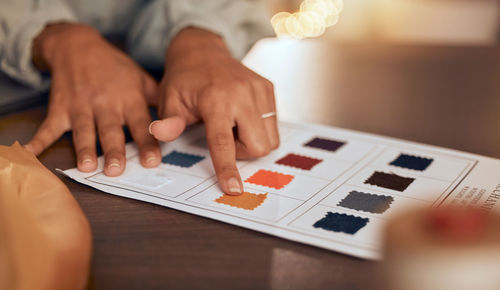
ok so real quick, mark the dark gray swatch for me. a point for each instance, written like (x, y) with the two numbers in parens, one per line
(368, 202)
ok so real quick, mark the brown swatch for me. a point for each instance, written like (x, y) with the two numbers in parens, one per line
(247, 200)
(389, 180)
(299, 161)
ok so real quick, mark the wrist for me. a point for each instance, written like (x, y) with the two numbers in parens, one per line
(195, 44)
(56, 40)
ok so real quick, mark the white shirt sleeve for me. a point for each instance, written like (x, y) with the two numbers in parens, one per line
(20, 22)
(239, 22)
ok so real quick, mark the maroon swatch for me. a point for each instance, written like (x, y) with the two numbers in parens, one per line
(325, 144)
(299, 161)
(389, 180)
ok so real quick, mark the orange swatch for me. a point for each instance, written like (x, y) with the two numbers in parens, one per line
(249, 201)
(270, 179)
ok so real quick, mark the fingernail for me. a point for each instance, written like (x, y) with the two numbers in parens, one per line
(233, 185)
(86, 164)
(150, 158)
(151, 125)
(114, 163)
(28, 147)
(86, 160)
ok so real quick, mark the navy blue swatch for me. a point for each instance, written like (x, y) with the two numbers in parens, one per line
(412, 162)
(368, 202)
(340, 222)
(390, 181)
(181, 159)
(325, 144)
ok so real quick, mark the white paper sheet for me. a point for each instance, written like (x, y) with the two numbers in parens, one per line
(292, 211)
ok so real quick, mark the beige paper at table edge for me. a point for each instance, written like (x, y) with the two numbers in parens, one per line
(45, 239)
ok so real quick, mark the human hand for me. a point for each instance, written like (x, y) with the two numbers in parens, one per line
(203, 82)
(94, 83)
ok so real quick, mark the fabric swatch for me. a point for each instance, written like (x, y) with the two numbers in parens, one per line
(340, 222)
(389, 180)
(368, 202)
(412, 162)
(270, 179)
(325, 144)
(246, 200)
(149, 180)
(299, 161)
(181, 159)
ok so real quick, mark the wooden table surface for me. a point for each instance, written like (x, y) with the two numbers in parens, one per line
(446, 96)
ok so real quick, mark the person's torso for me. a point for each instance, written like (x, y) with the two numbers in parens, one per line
(110, 17)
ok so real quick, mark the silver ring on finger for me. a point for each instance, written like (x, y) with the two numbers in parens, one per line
(268, 115)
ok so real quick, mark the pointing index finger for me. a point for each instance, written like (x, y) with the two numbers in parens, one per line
(220, 141)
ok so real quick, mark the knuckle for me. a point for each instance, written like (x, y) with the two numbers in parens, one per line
(210, 106)
(227, 170)
(56, 115)
(79, 113)
(275, 143)
(115, 153)
(214, 96)
(85, 127)
(258, 150)
(87, 92)
(85, 150)
(38, 143)
(135, 100)
(81, 133)
(240, 85)
(110, 130)
(150, 145)
(222, 142)
(52, 126)
(234, 87)
(269, 84)
(111, 127)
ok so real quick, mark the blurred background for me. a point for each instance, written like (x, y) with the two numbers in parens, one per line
(462, 22)
(420, 70)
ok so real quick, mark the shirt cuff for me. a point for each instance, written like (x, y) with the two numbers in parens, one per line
(237, 37)
(17, 59)
(206, 23)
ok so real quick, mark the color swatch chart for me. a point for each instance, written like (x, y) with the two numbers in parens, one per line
(323, 186)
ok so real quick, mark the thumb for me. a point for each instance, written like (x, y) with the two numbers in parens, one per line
(167, 129)
(173, 123)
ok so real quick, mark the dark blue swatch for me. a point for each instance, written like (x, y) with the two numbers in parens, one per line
(368, 202)
(181, 159)
(340, 222)
(325, 144)
(412, 162)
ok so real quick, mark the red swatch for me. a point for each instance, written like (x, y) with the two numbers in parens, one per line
(299, 161)
(270, 179)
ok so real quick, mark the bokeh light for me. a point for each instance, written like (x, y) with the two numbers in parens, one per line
(311, 20)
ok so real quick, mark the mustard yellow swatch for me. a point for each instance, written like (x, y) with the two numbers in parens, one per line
(248, 201)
